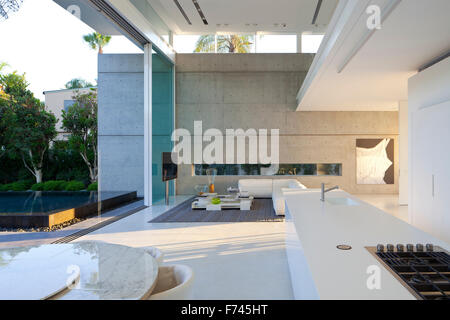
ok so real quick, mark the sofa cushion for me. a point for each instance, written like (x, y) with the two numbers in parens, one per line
(277, 195)
(259, 188)
(281, 183)
(278, 202)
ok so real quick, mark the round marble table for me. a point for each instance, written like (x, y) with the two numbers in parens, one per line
(77, 271)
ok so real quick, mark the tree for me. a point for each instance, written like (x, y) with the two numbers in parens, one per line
(97, 41)
(3, 65)
(78, 83)
(225, 43)
(4, 112)
(4, 115)
(80, 121)
(29, 128)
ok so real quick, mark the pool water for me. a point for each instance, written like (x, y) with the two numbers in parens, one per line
(49, 202)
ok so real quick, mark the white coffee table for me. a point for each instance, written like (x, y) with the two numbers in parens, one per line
(228, 203)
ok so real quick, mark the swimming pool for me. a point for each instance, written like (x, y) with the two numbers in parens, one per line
(46, 209)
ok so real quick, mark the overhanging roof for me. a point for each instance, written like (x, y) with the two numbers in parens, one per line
(120, 17)
(360, 70)
(91, 16)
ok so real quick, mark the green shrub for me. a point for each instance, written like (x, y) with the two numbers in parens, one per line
(38, 187)
(16, 186)
(75, 186)
(20, 186)
(55, 185)
(93, 186)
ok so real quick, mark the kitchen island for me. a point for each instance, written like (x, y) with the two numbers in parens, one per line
(319, 270)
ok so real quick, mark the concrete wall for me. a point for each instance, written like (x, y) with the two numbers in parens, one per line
(230, 91)
(121, 122)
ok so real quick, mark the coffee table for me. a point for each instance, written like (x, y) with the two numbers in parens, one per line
(230, 202)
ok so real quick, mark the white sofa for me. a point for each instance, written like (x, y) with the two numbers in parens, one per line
(270, 188)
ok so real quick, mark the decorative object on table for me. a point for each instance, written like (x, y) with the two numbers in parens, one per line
(244, 194)
(211, 173)
(233, 190)
(201, 189)
(7, 6)
(375, 161)
(216, 201)
(208, 195)
(222, 202)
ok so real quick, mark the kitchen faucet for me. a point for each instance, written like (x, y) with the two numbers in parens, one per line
(322, 196)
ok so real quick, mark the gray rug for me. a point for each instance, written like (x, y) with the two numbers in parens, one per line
(262, 211)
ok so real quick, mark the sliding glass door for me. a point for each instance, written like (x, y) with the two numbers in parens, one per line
(162, 120)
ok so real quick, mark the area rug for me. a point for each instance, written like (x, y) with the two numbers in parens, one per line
(262, 211)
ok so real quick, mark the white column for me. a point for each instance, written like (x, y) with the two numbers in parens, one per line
(215, 43)
(148, 125)
(403, 151)
(299, 43)
(171, 38)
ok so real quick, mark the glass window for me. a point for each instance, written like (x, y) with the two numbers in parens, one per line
(301, 169)
(163, 121)
(311, 42)
(239, 43)
(68, 104)
(276, 43)
(185, 43)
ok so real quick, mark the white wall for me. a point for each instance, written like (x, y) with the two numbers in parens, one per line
(429, 152)
(54, 102)
(403, 152)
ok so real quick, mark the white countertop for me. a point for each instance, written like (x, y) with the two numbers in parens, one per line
(103, 272)
(322, 226)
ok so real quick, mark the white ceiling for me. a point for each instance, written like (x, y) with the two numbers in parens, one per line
(415, 33)
(242, 16)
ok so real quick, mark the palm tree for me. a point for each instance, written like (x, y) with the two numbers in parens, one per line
(97, 40)
(78, 83)
(226, 43)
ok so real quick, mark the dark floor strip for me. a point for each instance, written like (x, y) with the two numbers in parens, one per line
(100, 225)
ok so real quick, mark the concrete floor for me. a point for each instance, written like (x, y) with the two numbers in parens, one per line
(230, 260)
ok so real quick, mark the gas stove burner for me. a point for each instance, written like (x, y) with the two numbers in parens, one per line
(423, 270)
(414, 262)
(417, 280)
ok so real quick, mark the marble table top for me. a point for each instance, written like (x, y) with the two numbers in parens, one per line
(77, 271)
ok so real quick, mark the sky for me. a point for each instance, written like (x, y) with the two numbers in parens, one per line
(46, 42)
